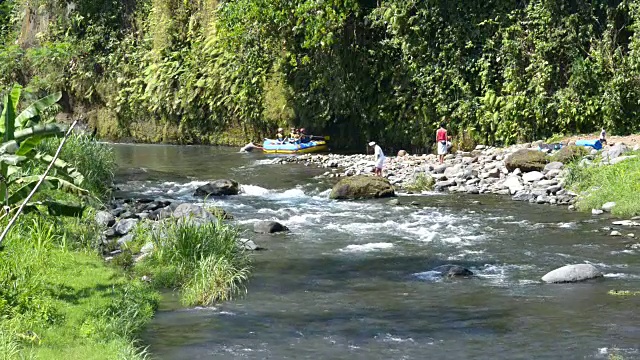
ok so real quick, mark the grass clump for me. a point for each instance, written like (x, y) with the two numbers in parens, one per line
(598, 185)
(202, 261)
(421, 182)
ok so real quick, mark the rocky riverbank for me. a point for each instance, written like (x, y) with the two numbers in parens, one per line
(526, 172)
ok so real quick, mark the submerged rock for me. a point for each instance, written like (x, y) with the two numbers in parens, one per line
(218, 188)
(572, 273)
(362, 187)
(450, 270)
(246, 244)
(269, 227)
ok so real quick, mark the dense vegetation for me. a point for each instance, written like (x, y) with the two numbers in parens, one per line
(224, 71)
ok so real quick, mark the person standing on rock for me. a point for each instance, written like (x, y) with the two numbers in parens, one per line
(379, 158)
(441, 140)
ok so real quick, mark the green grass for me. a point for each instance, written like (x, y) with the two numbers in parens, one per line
(57, 304)
(598, 185)
(421, 182)
(203, 262)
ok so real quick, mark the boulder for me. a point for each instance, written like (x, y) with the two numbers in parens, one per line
(218, 188)
(596, 212)
(526, 160)
(572, 273)
(556, 165)
(123, 227)
(532, 176)
(615, 151)
(568, 154)
(514, 184)
(246, 244)
(125, 239)
(608, 206)
(450, 270)
(193, 212)
(620, 159)
(105, 219)
(269, 227)
(362, 187)
(615, 233)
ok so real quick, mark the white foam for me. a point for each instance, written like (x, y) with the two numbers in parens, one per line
(253, 190)
(367, 247)
(429, 276)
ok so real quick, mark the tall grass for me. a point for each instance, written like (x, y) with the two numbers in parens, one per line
(203, 261)
(598, 185)
(96, 161)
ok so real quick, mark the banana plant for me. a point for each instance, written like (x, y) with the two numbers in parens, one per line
(21, 134)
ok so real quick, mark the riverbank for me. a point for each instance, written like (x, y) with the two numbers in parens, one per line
(571, 176)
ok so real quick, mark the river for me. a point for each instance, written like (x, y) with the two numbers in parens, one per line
(352, 281)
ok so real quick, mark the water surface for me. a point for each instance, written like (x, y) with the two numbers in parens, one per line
(352, 281)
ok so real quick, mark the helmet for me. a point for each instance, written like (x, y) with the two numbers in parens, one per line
(302, 130)
(280, 129)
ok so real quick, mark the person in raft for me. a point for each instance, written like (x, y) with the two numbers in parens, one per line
(441, 140)
(603, 137)
(280, 135)
(379, 158)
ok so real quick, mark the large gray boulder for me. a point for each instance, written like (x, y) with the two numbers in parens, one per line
(269, 227)
(572, 273)
(362, 187)
(218, 188)
(615, 151)
(514, 184)
(526, 160)
(193, 212)
(555, 165)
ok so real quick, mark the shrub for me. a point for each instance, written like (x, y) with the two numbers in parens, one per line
(569, 154)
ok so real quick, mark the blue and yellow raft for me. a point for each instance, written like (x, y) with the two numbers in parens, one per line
(276, 147)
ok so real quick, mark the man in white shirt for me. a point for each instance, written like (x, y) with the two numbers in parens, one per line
(378, 155)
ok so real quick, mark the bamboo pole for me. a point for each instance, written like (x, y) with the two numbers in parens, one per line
(5, 232)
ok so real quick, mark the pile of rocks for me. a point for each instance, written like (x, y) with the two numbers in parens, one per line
(522, 171)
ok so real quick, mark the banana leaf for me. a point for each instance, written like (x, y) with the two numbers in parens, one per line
(43, 130)
(33, 112)
(29, 182)
(12, 160)
(7, 123)
(59, 209)
(63, 167)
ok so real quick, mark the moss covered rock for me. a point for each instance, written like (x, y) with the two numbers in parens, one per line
(569, 153)
(362, 187)
(526, 160)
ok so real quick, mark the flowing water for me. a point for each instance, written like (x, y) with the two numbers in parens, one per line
(352, 281)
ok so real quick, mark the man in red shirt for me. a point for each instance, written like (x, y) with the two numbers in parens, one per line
(441, 140)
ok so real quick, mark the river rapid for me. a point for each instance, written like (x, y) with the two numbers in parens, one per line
(352, 281)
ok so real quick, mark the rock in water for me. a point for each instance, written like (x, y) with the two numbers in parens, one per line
(362, 187)
(218, 188)
(572, 273)
(193, 212)
(105, 218)
(526, 160)
(269, 227)
(451, 270)
(608, 206)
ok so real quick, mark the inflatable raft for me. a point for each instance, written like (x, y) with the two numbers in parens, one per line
(275, 147)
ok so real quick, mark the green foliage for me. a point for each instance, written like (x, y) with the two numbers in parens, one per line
(204, 261)
(601, 184)
(421, 182)
(506, 71)
(569, 154)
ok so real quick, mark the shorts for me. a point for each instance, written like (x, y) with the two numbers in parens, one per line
(380, 163)
(442, 147)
